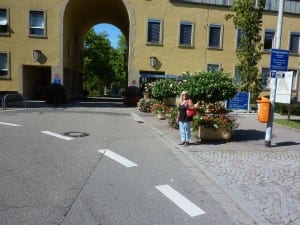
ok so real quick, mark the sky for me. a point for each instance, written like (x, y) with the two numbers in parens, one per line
(112, 31)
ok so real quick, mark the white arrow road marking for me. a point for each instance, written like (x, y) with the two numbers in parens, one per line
(118, 158)
(186, 205)
(57, 135)
(10, 124)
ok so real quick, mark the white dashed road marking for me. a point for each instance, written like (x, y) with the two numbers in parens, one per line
(186, 205)
(10, 124)
(57, 135)
(118, 158)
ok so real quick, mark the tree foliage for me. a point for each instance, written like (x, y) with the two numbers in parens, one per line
(209, 86)
(102, 64)
(248, 18)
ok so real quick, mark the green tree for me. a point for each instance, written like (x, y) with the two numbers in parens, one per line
(97, 70)
(118, 62)
(248, 18)
(102, 64)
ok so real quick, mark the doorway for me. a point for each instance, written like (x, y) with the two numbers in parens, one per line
(35, 79)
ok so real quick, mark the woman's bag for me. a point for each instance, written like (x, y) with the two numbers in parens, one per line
(190, 112)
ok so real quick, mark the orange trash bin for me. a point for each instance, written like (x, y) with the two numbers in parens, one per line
(263, 109)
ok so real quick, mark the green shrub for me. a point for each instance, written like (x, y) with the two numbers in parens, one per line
(212, 86)
(165, 88)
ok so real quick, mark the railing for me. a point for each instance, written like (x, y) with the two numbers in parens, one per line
(4, 98)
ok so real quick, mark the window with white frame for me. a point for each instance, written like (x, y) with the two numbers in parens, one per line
(268, 39)
(4, 23)
(37, 21)
(265, 78)
(215, 36)
(4, 65)
(239, 38)
(186, 32)
(213, 67)
(154, 31)
(294, 42)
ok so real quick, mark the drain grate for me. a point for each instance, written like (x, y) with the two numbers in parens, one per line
(75, 134)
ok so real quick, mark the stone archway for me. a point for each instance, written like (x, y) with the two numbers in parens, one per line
(78, 17)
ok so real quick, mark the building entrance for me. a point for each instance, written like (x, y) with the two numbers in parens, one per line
(35, 80)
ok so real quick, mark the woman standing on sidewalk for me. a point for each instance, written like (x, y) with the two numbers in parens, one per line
(183, 120)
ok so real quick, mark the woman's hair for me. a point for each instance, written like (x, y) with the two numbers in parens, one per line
(184, 93)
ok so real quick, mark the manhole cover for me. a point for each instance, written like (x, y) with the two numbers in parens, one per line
(75, 134)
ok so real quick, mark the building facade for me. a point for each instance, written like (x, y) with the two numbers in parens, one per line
(42, 41)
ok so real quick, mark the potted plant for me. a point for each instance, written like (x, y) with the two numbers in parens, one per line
(171, 117)
(208, 86)
(208, 89)
(145, 104)
(160, 110)
(166, 90)
(215, 125)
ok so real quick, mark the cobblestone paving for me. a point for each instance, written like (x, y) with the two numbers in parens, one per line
(266, 182)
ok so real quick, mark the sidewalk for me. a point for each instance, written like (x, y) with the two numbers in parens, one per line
(263, 181)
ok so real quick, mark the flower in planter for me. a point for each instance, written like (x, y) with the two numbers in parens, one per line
(213, 116)
(172, 115)
(215, 121)
(145, 105)
(159, 108)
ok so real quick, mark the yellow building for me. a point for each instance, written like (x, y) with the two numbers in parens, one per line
(42, 41)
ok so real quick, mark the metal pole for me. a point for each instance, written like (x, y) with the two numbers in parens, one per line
(273, 80)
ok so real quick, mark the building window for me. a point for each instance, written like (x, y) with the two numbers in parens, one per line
(215, 36)
(268, 39)
(294, 42)
(37, 21)
(237, 76)
(4, 65)
(186, 34)
(213, 67)
(4, 25)
(265, 78)
(292, 6)
(154, 32)
(239, 38)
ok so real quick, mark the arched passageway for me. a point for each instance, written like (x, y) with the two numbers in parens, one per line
(78, 18)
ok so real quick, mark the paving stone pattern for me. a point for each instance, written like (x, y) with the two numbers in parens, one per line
(268, 182)
(264, 181)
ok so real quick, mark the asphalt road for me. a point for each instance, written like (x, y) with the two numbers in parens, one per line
(120, 173)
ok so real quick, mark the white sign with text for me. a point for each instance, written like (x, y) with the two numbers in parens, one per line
(284, 87)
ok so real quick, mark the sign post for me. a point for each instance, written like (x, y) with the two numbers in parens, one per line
(273, 79)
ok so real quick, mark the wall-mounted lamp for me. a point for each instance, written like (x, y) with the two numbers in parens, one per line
(153, 61)
(36, 54)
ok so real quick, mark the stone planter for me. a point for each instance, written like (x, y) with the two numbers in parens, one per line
(146, 95)
(205, 133)
(161, 116)
(171, 101)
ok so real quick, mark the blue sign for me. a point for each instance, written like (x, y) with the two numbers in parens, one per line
(57, 79)
(273, 74)
(239, 101)
(279, 60)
